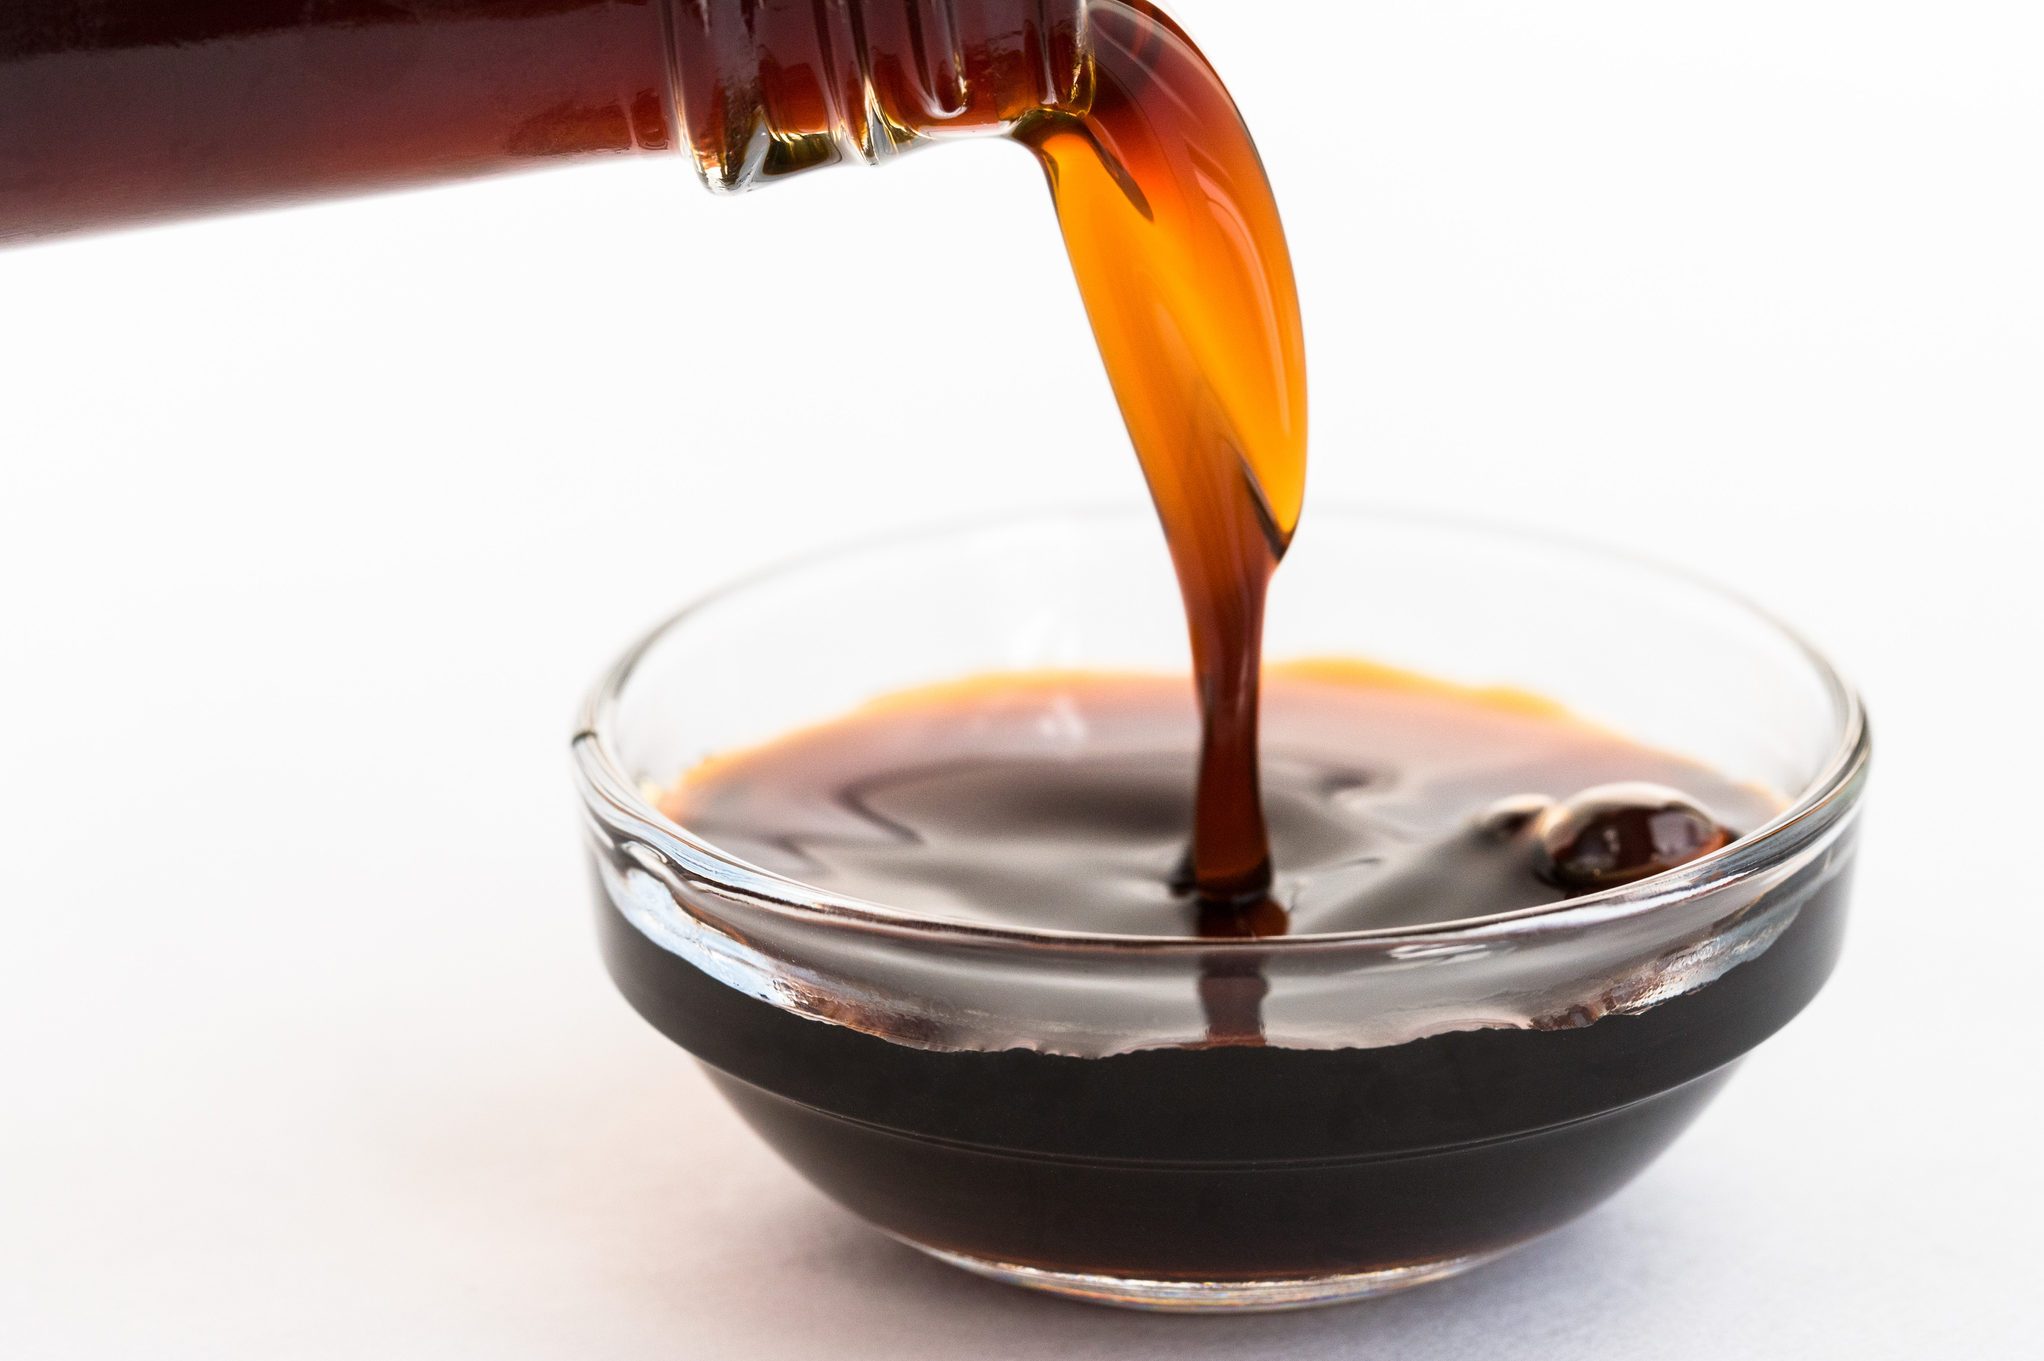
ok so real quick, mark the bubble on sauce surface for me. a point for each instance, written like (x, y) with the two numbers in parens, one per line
(1506, 818)
(1616, 834)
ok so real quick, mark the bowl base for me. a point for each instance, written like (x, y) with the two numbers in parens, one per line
(1215, 1297)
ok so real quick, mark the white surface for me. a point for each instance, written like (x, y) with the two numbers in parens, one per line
(314, 526)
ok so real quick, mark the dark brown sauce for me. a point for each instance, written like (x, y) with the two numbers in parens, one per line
(1062, 802)
(1216, 1163)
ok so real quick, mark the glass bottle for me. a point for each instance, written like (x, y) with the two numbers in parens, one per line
(117, 111)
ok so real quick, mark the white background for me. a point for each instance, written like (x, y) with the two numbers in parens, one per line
(315, 524)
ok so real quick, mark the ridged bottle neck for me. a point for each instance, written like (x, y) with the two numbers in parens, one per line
(767, 88)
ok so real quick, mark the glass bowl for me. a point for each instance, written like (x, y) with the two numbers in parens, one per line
(1039, 1106)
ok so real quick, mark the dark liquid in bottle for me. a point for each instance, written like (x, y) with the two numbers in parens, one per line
(125, 110)
(1061, 802)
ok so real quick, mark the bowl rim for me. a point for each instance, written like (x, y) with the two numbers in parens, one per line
(1827, 801)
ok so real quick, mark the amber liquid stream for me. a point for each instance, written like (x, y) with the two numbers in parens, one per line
(1175, 239)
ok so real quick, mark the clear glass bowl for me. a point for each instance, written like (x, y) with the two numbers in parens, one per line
(1038, 1106)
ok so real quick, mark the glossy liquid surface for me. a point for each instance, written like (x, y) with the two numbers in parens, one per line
(1061, 801)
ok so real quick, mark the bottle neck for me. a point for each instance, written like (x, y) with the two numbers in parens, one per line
(768, 88)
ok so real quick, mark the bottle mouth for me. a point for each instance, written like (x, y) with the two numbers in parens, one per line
(1824, 803)
(763, 92)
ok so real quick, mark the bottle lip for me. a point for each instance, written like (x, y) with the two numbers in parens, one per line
(1825, 805)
